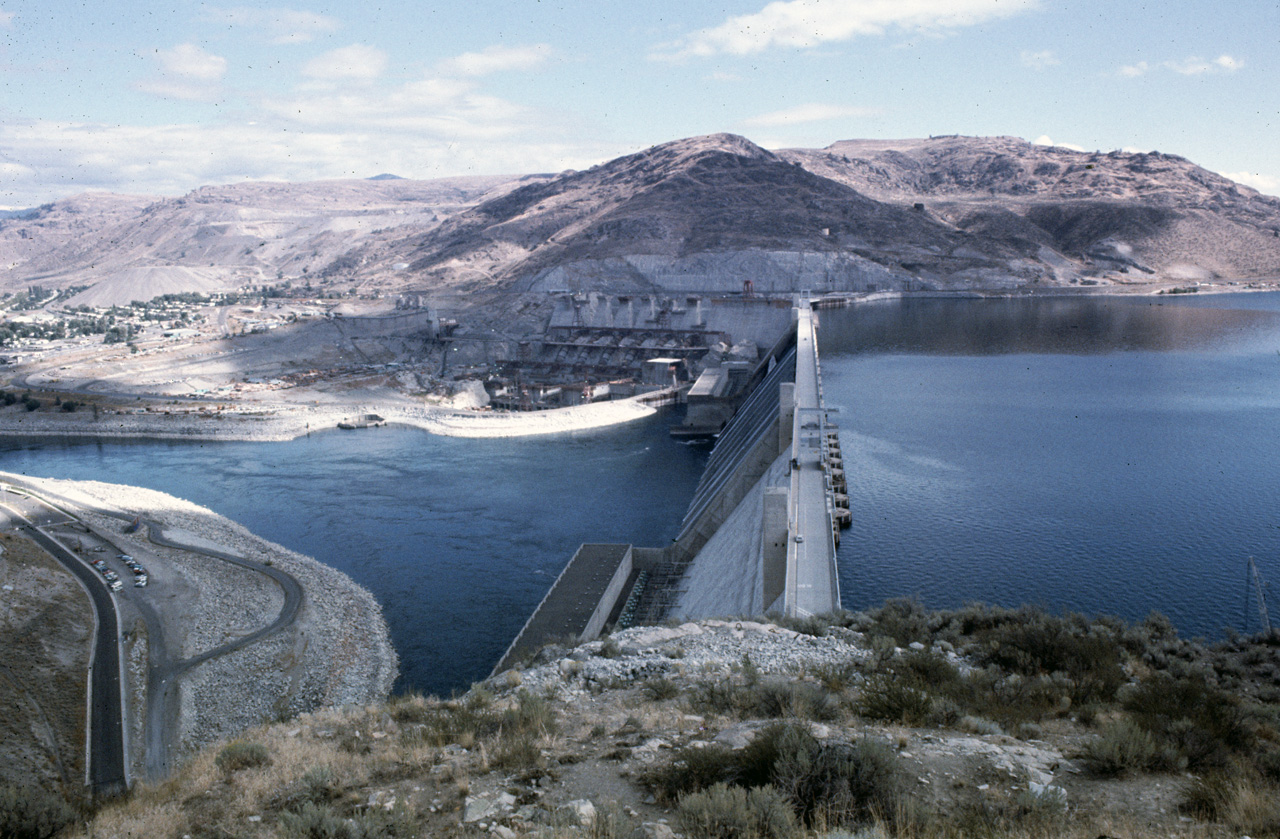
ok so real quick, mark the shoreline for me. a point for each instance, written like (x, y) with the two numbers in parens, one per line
(284, 421)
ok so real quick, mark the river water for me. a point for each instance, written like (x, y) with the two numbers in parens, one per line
(457, 539)
(1100, 454)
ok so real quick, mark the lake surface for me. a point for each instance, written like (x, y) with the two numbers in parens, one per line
(1100, 455)
(457, 539)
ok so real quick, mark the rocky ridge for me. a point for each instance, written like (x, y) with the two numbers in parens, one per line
(697, 215)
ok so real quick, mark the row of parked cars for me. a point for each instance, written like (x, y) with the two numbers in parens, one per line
(113, 579)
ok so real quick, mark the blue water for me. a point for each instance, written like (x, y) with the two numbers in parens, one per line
(1104, 456)
(457, 539)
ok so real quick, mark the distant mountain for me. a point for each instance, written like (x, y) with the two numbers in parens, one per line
(385, 176)
(706, 213)
(219, 237)
(1155, 214)
(701, 215)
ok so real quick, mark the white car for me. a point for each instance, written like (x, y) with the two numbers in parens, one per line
(116, 585)
(140, 581)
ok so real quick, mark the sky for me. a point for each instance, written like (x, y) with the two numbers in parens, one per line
(159, 98)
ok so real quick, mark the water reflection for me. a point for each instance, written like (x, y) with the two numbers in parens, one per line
(1038, 325)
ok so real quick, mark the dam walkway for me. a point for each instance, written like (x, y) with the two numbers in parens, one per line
(760, 533)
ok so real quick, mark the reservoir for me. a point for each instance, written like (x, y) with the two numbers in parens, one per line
(1101, 454)
(1095, 454)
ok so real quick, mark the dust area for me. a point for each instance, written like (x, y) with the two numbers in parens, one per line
(47, 623)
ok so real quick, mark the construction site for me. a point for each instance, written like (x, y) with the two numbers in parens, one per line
(600, 346)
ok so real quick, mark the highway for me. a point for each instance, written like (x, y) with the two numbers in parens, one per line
(107, 773)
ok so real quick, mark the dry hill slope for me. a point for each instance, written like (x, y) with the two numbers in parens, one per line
(701, 215)
(1151, 213)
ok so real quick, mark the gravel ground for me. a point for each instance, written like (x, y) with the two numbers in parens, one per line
(709, 646)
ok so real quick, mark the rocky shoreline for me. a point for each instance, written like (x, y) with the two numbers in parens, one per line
(283, 422)
(336, 653)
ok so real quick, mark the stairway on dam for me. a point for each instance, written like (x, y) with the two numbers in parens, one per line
(760, 533)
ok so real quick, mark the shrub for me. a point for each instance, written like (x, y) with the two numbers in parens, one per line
(1033, 643)
(1244, 803)
(836, 784)
(1202, 723)
(884, 697)
(30, 813)
(660, 688)
(904, 620)
(999, 815)
(241, 754)
(692, 770)
(1123, 747)
(724, 812)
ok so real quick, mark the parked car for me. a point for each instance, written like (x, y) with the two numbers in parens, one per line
(140, 581)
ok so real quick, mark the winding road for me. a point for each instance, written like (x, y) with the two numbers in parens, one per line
(108, 764)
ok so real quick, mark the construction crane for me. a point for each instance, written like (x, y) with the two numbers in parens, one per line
(1259, 588)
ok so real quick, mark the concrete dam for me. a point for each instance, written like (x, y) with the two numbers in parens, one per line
(760, 533)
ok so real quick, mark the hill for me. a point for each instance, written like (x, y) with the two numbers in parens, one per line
(699, 214)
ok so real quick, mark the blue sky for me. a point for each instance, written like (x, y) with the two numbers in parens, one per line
(161, 97)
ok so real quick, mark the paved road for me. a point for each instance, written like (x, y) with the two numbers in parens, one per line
(107, 773)
(164, 670)
(162, 676)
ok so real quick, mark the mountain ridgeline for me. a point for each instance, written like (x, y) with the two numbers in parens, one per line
(699, 215)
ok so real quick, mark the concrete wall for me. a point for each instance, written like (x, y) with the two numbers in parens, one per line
(595, 625)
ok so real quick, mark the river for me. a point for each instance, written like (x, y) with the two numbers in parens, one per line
(1097, 454)
(1104, 455)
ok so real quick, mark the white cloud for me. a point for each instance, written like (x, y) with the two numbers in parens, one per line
(808, 23)
(1198, 66)
(496, 59)
(186, 72)
(354, 63)
(191, 62)
(62, 158)
(281, 26)
(1046, 140)
(810, 112)
(1134, 70)
(1269, 184)
(1039, 60)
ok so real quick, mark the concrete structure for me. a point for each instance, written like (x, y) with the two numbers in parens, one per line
(760, 534)
(581, 600)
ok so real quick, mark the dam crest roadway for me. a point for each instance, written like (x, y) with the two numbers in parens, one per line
(760, 533)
